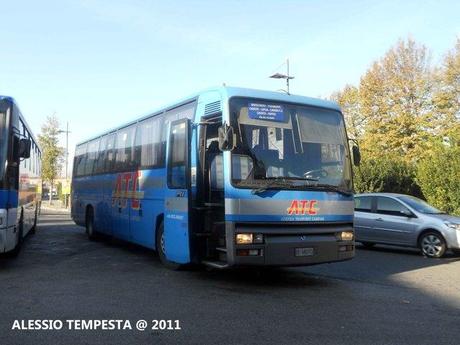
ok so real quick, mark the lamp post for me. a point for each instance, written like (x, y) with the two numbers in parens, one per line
(66, 148)
(284, 76)
(66, 131)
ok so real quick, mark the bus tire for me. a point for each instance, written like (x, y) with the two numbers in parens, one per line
(160, 246)
(17, 248)
(33, 230)
(89, 224)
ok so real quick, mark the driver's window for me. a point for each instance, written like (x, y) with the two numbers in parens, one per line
(390, 206)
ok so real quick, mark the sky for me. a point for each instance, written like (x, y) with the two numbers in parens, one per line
(97, 64)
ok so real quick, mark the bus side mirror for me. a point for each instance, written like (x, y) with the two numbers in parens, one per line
(356, 155)
(226, 138)
(24, 148)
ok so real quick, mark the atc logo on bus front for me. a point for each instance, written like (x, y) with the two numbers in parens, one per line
(303, 207)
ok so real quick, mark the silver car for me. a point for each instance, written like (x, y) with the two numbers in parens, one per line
(405, 220)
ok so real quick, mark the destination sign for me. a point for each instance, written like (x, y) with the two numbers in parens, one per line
(268, 112)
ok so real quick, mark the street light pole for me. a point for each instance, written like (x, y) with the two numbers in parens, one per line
(284, 76)
(66, 148)
(66, 131)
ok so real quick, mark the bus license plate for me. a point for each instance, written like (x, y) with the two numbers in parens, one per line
(304, 252)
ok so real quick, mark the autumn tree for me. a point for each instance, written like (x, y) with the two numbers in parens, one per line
(350, 103)
(395, 96)
(446, 98)
(438, 172)
(51, 152)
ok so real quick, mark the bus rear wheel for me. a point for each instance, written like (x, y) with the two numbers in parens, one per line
(160, 246)
(90, 224)
(33, 230)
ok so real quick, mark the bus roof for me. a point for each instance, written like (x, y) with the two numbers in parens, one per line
(228, 92)
(13, 102)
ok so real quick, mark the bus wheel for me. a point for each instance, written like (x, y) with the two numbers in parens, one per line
(160, 246)
(18, 246)
(34, 227)
(90, 224)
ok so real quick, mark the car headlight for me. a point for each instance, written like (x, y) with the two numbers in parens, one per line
(454, 226)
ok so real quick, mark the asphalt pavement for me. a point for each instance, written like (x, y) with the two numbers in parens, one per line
(383, 296)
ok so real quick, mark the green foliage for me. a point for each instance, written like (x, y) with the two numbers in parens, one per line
(51, 152)
(438, 175)
(385, 174)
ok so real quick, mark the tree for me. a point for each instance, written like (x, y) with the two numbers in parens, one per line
(52, 153)
(395, 98)
(349, 102)
(446, 98)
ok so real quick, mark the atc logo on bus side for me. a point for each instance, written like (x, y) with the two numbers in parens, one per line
(128, 187)
(303, 207)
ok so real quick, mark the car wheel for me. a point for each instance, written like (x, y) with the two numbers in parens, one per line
(432, 245)
(160, 245)
(368, 245)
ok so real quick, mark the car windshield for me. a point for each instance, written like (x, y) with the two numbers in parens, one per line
(285, 145)
(419, 205)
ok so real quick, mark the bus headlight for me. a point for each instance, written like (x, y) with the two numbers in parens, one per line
(346, 235)
(249, 238)
(243, 238)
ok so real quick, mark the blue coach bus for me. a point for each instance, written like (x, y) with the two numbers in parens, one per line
(20, 183)
(227, 177)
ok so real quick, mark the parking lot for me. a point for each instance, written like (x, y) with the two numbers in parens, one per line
(383, 296)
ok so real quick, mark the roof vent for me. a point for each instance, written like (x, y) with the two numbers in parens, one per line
(212, 108)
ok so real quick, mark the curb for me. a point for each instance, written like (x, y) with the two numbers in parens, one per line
(52, 209)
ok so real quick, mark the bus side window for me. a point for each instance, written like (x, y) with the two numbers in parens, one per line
(80, 159)
(93, 148)
(100, 157)
(124, 148)
(147, 149)
(110, 155)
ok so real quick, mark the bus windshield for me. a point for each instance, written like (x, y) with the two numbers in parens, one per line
(3, 144)
(282, 145)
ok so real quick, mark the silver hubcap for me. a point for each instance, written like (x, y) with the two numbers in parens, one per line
(431, 245)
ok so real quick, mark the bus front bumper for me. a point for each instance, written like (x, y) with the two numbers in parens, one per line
(295, 247)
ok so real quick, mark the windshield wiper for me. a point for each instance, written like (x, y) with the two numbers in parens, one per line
(296, 178)
(273, 182)
(330, 188)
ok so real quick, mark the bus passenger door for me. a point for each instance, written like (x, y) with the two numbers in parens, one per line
(177, 193)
